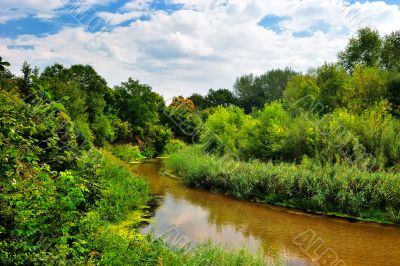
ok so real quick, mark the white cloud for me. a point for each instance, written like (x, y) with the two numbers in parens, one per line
(130, 11)
(43, 9)
(207, 43)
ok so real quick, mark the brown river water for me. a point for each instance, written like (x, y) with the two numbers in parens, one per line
(190, 216)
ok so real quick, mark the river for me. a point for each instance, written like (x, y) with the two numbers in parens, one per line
(186, 215)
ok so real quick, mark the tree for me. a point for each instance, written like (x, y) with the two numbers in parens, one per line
(28, 73)
(138, 104)
(394, 93)
(269, 133)
(368, 86)
(222, 130)
(302, 94)
(222, 97)
(83, 91)
(390, 57)
(181, 102)
(180, 116)
(199, 101)
(332, 79)
(3, 64)
(365, 49)
(255, 91)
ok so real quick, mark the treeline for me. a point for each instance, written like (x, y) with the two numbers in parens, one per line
(343, 112)
(101, 115)
(367, 71)
(64, 200)
(324, 141)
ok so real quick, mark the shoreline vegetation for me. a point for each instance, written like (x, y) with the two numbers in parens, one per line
(333, 190)
(326, 140)
(205, 253)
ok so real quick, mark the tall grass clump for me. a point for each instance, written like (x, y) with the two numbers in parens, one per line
(124, 192)
(338, 189)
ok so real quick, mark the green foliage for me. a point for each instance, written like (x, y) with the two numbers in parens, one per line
(308, 186)
(267, 133)
(332, 79)
(173, 146)
(393, 92)
(222, 130)
(181, 117)
(155, 141)
(390, 57)
(222, 97)
(199, 101)
(3, 64)
(122, 193)
(368, 140)
(365, 49)
(255, 91)
(42, 132)
(213, 98)
(368, 86)
(302, 94)
(81, 90)
(127, 152)
(138, 105)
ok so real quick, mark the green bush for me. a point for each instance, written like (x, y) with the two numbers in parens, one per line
(173, 146)
(268, 134)
(127, 152)
(222, 130)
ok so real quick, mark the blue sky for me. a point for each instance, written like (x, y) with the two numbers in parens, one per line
(182, 46)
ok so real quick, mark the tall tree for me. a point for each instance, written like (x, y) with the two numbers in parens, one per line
(363, 49)
(255, 91)
(390, 57)
(332, 79)
(220, 97)
(302, 94)
(3, 64)
(199, 101)
(138, 104)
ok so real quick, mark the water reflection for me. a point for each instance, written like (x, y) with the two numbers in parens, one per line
(200, 215)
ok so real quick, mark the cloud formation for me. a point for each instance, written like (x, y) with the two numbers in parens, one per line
(204, 43)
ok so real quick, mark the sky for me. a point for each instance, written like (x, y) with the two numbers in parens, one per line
(184, 46)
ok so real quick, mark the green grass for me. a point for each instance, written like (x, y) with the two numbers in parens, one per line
(329, 189)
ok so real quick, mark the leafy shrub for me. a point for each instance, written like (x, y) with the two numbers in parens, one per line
(222, 130)
(127, 152)
(173, 146)
(268, 134)
(155, 141)
(302, 94)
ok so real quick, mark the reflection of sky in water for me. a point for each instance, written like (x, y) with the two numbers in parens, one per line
(188, 215)
(181, 224)
(192, 222)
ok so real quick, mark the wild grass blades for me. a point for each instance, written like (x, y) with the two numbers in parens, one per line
(330, 189)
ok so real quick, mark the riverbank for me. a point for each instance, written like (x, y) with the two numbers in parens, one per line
(126, 246)
(331, 189)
